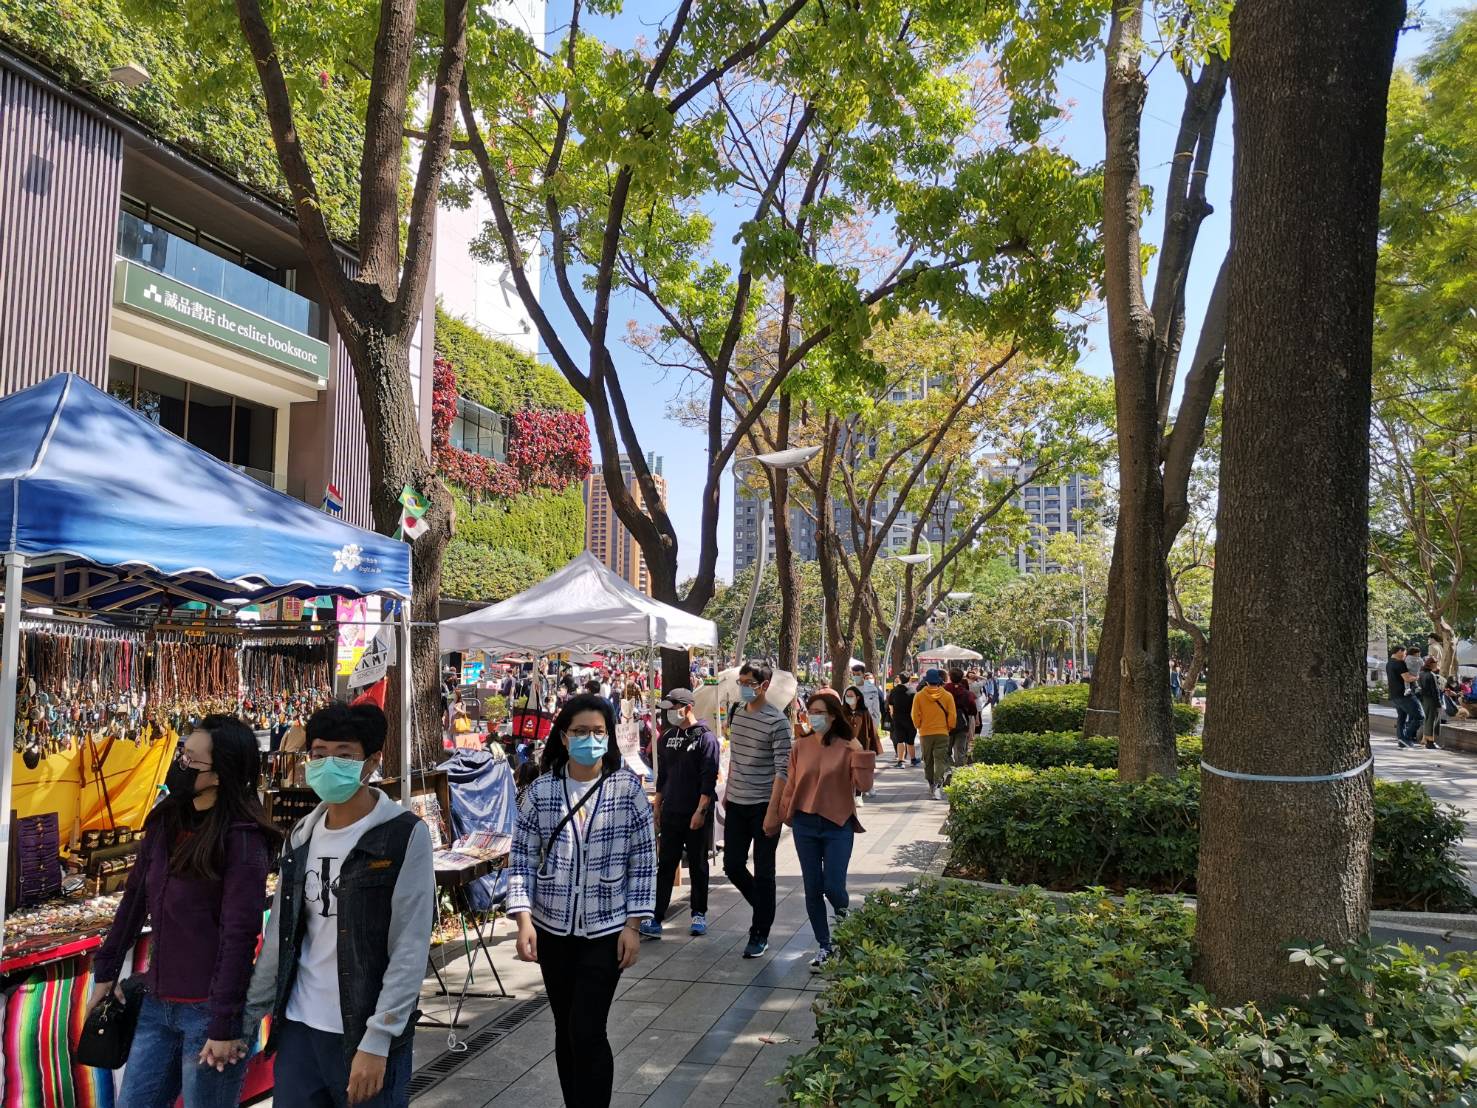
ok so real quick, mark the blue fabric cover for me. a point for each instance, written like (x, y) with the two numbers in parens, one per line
(84, 476)
(484, 797)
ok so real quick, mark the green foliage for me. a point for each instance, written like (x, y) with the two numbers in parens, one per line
(1071, 826)
(1064, 748)
(82, 41)
(547, 527)
(943, 994)
(498, 375)
(472, 571)
(1064, 708)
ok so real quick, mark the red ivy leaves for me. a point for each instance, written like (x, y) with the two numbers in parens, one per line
(547, 449)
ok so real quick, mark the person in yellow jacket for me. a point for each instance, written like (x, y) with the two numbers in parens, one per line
(934, 715)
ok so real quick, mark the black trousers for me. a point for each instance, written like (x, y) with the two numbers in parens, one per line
(743, 827)
(679, 838)
(580, 976)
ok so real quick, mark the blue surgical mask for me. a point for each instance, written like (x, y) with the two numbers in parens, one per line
(820, 722)
(747, 693)
(335, 779)
(587, 750)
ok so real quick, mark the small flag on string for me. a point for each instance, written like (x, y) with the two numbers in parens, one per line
(413, 527)
(333, 500)
(414, 503)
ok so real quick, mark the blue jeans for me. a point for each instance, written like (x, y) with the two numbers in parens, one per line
(1408, 717)
(824, 849)
(164, 1060)
(311, 1071)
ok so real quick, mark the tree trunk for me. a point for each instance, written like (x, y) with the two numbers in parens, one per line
(869, 635)
(382, 370)
(1102, 697)
(676, 670)
(1145, 730)
(1284, 862)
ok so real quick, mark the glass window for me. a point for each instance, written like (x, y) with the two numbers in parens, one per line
(479, 430)
(253, 436)
(121, 380)
(209, 423)
(162, 399)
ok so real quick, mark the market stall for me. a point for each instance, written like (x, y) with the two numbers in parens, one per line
(583, 608)
(950, 653)
(111, 527)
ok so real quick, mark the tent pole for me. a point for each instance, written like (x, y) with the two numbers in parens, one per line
(407, 705)
(15, 565)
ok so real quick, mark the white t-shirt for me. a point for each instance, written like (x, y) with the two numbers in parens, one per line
(315, 1000)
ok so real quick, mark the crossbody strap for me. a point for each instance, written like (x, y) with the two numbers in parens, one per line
(569, 815)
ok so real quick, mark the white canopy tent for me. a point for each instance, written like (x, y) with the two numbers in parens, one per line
(950, 653)
(583, 607)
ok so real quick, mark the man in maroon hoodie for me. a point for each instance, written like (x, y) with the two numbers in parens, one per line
(968, 712)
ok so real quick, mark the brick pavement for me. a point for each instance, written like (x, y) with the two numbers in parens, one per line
(693, 1022)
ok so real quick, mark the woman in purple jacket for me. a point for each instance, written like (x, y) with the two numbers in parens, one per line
(200, 879)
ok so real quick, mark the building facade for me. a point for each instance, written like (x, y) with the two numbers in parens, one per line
(1051, 508)
(606, 536)
(152, 275)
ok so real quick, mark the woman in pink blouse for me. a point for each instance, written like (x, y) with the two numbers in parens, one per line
(828, 767)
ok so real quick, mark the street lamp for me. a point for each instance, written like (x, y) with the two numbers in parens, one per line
(779, 459)
(1072, 630)
(912, 560)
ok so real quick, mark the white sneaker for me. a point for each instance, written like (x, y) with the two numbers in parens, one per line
(938, 793)
(821, 958)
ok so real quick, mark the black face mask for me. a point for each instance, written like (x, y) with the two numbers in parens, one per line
(180, 781)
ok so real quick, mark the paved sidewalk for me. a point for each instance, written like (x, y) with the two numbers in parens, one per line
(693, 1022)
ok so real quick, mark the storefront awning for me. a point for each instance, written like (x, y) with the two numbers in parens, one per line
(112, 511)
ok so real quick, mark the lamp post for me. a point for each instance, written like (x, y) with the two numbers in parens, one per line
(779, 459)
(1071, 627)
(910, 560)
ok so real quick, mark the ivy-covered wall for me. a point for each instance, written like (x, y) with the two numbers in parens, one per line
(498, 375)
(504, 544)
(82, 40)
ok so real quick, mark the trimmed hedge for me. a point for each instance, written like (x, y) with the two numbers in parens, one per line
(1064, 708)
(1068, 827)
(1064, 748)
(944, 994)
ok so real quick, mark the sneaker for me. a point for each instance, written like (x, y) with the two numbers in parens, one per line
(899, 765)
(650, 929)
(756, 948)
(917, 762)
(870, 794)
(699, 925)
(938, 793)
(822, 956)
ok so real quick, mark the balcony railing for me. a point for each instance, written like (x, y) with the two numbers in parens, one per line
(155, 248)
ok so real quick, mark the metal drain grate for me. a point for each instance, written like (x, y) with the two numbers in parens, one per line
(441, 1067)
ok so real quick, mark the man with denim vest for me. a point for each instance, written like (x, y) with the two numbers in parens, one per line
(345, 951)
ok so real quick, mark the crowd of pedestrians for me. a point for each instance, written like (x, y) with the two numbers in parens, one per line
(591, 873)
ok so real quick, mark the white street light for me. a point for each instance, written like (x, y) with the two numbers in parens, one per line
(1072, 630)
(778, 459)
(914, 559)
(956, 596)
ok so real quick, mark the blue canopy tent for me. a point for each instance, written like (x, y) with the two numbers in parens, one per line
(103, 510)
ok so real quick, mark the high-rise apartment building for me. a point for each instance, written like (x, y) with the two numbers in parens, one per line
(1051, 507)
(606, 536)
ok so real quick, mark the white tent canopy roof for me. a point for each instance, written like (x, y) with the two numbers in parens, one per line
(582, 607)
(952, 653)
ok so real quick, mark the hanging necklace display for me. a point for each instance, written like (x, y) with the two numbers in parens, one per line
(285, 680)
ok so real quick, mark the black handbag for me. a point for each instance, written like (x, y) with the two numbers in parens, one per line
(107, 1034)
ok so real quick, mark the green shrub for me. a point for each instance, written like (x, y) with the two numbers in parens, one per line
(1064, 748)
(1068, 827)
(487, 573)
(1199, 691)
(1375, 696)
(499, 375)
(942, 994)
(1064, 708)
(548, 527)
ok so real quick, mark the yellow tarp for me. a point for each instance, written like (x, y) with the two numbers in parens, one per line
(67, 783)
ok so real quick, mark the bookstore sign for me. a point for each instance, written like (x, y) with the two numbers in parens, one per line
(164, 298)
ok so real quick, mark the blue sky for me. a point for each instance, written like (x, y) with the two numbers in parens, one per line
(1080, 134)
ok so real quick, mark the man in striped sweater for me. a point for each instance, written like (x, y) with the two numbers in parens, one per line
(758, 760)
